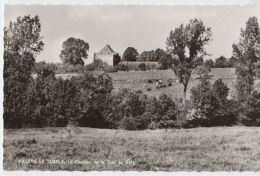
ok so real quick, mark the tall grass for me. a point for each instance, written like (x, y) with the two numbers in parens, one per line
(86, 149)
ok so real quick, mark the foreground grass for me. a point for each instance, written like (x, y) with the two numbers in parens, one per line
(85, 149)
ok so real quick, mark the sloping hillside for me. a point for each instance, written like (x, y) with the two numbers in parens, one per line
(224, 73)
(142, 75)
(136, 79)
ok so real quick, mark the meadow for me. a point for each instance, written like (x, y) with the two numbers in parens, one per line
(86, 149)
(136, 79)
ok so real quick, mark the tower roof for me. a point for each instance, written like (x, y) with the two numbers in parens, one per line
(106, 50)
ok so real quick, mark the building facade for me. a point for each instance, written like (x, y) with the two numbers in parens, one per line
(108, 55)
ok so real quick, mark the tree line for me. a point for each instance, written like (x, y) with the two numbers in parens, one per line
(87, 100)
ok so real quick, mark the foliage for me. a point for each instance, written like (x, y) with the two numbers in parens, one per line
(99, 66)
(38, 67)
(133, 110)
(221, 62)
(162, 112)
(232, 62)
(136, 66)
(147, 56)
(22, 42)
(247, 52)
(130, 54)
(199, 62)
(210, 106)
(152, 56)
(142, 67)
(48, 101)
(124, 110)
(202, 71)
(23, 36)
(209, 63)
(74, 51)
(122, 67)
(40, 100)
(16, 80)
(204, 104)
(186, 43)
(164, 60)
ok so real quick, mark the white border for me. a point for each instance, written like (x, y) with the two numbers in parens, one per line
(137, 2)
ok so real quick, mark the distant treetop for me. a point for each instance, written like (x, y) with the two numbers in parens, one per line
(74, 51)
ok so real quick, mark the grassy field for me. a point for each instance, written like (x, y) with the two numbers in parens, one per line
(136, 79)
(85, 149)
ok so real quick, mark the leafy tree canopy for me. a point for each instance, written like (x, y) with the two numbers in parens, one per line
(74, 51)
(130, 54)
(221, 62)
(23, 36)
(147, 56)
(209, 63)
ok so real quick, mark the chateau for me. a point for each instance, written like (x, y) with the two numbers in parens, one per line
(108, 55)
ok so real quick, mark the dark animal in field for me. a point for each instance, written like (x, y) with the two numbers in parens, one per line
(149, 89)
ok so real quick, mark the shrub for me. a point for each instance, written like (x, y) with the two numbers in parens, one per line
(210, 106)
(91, 117)
(162, 112)
(122, 67)
(58, 102)
(142, 66)
(125, 106)
(249, 111)
(111, 69)
(134, 123)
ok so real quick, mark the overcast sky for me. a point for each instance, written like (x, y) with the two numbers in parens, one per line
(141, 27)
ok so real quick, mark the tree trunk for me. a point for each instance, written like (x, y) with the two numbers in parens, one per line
(184, 94)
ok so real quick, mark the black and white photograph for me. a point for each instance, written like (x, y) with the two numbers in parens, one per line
(131, 87)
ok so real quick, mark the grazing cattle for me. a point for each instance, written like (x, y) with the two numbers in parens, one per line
(149, 89)
(145, 85)
(150, 81)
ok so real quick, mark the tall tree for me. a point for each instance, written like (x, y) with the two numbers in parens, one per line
(186, 44)
(247, 52)
(164, 59)
(148, 56)
(22, 42)
(221, 62)
(209, 63)
(232, 62)
(74, 51)
(159, 54)
(130, 54)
